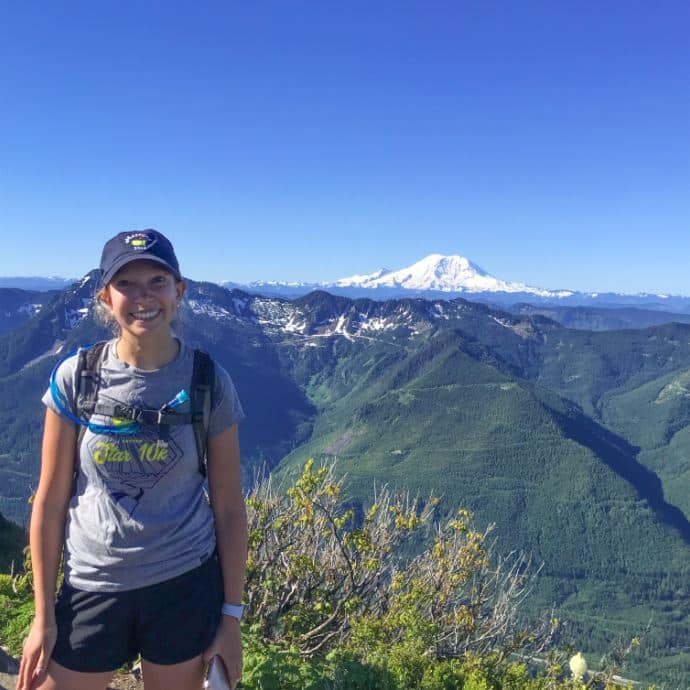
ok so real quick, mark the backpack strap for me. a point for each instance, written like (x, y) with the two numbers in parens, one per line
(142, 415)
(88, 382)
(203, 378)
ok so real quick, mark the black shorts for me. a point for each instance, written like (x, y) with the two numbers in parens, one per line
(167, 623)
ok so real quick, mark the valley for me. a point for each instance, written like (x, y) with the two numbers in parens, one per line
(574, 443)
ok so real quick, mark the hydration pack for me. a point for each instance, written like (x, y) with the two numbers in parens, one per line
(201, 399)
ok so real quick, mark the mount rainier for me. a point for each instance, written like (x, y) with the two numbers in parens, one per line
(439, 273)
(439, 276)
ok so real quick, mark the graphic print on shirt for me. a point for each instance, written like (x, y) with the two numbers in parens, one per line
(130, 465)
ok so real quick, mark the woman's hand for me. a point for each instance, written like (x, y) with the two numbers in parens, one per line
(228, 646)
(36, 654)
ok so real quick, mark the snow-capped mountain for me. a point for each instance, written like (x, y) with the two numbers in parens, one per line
(436, 273)
(446, 277)
(362, 281)
(439, 273)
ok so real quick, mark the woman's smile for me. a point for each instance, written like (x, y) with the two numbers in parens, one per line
(145, 315)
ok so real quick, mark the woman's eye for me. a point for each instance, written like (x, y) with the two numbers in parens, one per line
(159, 280)
(122, 283)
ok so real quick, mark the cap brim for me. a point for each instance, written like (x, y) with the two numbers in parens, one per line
(107, 277)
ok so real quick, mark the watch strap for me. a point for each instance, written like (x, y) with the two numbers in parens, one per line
(234, 610)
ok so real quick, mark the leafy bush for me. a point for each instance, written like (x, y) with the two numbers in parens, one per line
(321, 577)
(332, 602)
(334, 605)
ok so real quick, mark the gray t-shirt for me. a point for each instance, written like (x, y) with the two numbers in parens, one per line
(139, 512)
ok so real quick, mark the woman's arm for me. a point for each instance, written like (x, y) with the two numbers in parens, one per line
(227, 502)
(46, 537)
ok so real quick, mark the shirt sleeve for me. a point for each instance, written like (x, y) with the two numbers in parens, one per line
(227, 409)
(61, 397)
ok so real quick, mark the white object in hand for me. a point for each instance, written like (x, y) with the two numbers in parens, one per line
(216, 675)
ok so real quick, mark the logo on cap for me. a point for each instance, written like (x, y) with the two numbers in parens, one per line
(141, 241)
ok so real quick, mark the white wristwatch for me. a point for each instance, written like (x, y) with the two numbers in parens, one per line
(234, 610)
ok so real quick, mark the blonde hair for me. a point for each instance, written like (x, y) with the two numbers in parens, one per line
(102, 312)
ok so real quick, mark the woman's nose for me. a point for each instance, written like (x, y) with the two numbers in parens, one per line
(141, 291)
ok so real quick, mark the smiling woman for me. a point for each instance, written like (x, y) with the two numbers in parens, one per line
(152, 567)
(142, 299)
(141, 281)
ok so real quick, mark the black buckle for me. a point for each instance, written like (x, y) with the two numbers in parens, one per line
(143, 416)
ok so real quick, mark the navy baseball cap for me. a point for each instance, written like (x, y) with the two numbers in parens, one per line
(126, 247)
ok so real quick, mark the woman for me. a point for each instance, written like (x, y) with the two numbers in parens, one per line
(152, 566)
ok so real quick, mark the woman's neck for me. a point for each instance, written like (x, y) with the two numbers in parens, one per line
(147, 353)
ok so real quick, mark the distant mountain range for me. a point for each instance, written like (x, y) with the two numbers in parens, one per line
(574, 443)
(36, 283)
(446, 277)
(434, 277)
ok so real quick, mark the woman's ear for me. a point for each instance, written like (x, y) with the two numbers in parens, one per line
(104, 296)
(180, 288)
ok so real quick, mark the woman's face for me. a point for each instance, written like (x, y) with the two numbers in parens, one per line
(143, 297)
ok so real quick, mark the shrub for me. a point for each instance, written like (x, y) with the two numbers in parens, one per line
(321, 579)
(333, 604)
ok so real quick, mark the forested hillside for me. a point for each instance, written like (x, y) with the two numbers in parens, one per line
(574, 443)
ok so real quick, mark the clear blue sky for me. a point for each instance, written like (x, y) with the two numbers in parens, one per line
(549, 142)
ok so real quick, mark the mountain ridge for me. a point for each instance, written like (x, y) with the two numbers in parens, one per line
(544, 430)
(439, 276)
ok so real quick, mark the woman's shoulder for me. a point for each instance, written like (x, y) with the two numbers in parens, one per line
(68, 365)
(63, 386)
(69, 368)
(223, 379)
(203, 360)
(207, 370)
